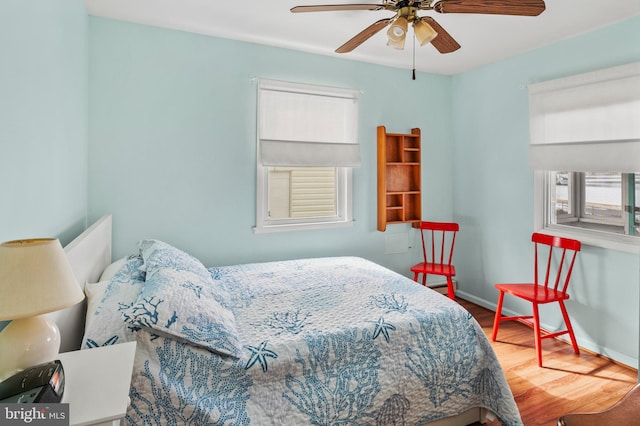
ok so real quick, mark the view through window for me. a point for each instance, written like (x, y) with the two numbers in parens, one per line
(608, 202)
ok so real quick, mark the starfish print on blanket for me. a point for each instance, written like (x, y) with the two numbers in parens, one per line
(259, 354)
(383, 328)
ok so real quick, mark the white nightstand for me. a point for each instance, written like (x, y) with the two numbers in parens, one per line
(97, 383)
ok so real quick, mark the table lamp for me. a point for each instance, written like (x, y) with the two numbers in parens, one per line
(35, 278)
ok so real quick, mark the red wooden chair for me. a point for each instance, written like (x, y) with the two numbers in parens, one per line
(562, 253)
(437, 261)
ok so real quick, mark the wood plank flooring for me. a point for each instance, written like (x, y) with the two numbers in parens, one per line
(567, 382)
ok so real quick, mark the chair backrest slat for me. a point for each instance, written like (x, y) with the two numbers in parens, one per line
(453, 244)
(560, 266)
(573, 261)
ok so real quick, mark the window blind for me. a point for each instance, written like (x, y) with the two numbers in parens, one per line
(304, 125)
(302, 192)
(321, 201)
(587, 122)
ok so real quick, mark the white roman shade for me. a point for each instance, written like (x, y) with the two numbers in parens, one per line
(304, 125)
(588, 122)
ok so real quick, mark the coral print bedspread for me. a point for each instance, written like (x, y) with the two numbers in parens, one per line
(329, 341)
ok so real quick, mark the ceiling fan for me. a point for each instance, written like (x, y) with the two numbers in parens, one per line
(426, 28)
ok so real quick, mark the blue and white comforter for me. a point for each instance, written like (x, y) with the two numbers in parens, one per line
(317, 341)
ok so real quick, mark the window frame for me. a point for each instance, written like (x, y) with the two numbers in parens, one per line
(344, 203)
(543, 182)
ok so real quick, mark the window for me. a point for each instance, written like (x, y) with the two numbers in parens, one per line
(606, 202)
(302, 192)
(599, 209)
(307, 147)
(585, 150)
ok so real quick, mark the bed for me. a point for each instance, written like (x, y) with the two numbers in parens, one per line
(337, 340)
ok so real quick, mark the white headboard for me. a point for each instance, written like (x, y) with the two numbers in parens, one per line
(89, 254)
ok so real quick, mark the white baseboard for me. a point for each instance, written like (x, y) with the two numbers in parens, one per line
(583, 342)
(442, 287)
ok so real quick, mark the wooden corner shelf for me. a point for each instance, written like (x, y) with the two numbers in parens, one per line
(399, 181)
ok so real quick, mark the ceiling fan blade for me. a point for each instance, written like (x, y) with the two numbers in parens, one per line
(493, 7)
(363, 36)
(336, 7)
(443, 42)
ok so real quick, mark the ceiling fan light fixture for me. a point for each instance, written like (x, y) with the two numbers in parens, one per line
(424, 32)
(397, 33)
(396, 44)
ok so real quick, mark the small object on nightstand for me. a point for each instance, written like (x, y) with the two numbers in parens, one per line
(41, 383)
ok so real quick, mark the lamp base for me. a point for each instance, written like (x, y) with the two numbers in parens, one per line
(27, 342)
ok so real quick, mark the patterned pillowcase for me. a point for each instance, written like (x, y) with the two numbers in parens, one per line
(105, 325)
(177, 300)
(158, 255)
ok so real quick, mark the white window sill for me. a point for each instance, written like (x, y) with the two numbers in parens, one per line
(590, 237)
(264, 229)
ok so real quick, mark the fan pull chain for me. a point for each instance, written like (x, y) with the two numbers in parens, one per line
(414, 58)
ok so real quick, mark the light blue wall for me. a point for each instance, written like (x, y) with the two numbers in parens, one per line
(493, 191)
(173, 142)
(43, 118)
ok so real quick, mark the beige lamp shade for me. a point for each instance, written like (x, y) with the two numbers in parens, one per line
(396, 44)
(424, 32)
(397, 33)
(35, 278)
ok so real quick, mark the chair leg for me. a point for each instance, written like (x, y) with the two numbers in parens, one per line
(536, 332)
(496, 321)
(415, 276)
(424, 279)
(567, 322)
(450, 291)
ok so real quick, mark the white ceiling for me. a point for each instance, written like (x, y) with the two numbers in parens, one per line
(484, 38)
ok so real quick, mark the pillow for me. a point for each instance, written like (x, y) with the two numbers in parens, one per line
(177, 300)
(111, 270)
(157, 255)
(105, 325)
(95, 293)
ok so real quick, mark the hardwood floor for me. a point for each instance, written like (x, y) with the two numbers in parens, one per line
(567, 382)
